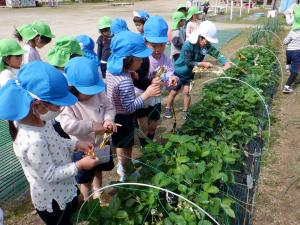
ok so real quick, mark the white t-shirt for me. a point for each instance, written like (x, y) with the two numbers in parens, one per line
(30, 55)
(46, 161)
(8, 73)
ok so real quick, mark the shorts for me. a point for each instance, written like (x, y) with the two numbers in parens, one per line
(183, 82)
(124, 138)
(293, 56)
(87, 176)
(152, 112)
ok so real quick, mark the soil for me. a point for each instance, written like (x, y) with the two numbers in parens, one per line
(281, 161)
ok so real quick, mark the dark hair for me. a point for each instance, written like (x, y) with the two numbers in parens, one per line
(13, 131)
(137, 19)
(74, 55)
(45, 40)
(74, 91)
(127, 62)
(18, 35)
(106, 29)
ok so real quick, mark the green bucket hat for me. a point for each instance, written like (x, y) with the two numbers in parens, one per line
(192, 11)
(60, 53)
(296, 24)
(176, 18)
(27, 32)
(104, 22)
(180, 6)
(42, 29)
(9, 47)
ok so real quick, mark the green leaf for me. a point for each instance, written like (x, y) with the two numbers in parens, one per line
(211, 189)
(161, 179)
(130, 202)
(205, 222)
(229, 159)
(228, 210)
(122, 215)
(181, 169)
(205, 153)
(138, 218)
(182, 188)
(115, 205)
(182, 159)
(201, 167)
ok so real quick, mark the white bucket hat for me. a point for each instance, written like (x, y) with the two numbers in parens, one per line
(206, 29)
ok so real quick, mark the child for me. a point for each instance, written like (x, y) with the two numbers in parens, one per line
(205, 9)
(156, 37)
(178, 19)
(103, 42)
(38, 95)
(65, 48)
(117, 26)
(193, 18)
(36, 35)
(11, 55)
(88, 118)
(127, 50)
(293, 51)
(87, 46)
(192, 54)
(182, 8)
(139, 19)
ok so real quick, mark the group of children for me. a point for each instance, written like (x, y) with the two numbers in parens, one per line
(60, 110)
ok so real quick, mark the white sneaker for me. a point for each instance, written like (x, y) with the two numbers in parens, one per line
(287, 67)
(121, 172)
(287, 89)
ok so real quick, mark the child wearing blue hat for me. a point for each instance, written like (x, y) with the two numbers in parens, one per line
(87, 46)
(38, 94)
(192, 54)
(156, 37)
(139, 19)
(128, 49)
(89, 118)
(117, 26)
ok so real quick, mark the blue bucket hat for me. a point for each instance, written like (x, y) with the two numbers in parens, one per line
(126, 43)
(141, 14)
(87, 46)
(156, 30)
(82, 73)
(118, 25)
(35, 80)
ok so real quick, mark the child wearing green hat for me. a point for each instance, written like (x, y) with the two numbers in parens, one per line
(182, 8)
(103, 42)
(11, 55)
(38, 94)
(178, 19)
(88, 119)
(128, 49)
(65, 48)
(36, 35)
(193, 18)
(293, 50)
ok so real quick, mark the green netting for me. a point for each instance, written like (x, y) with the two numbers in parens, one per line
(12, 180)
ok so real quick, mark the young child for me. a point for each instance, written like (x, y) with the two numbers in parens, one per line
(87, 46)
(293, 51)
(38, 94)
(36, 35)
(88, 118)
(178, 19)
(11, 55)
(103, 42)
(156, 37)
(127, 50)
(139, 19)
(192, 54)
(65, 48)
(117, 26)
(193, 18)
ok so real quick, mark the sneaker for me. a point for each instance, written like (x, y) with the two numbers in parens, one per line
(184, 115)
(287, 89)
(168, 113)
(287, 67)
(121, 172)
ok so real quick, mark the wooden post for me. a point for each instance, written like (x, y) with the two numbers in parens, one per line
(241, 8)
(226, 8)
(216, 7)
(231, 8)
(249, 4)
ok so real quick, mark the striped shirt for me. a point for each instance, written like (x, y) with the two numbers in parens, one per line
(120, 91)
(292, 40)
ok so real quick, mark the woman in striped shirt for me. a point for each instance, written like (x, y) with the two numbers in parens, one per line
(128, 49)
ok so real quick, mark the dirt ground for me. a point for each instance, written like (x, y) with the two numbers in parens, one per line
(281, 166)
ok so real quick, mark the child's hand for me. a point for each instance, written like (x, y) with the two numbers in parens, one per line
(173, 80)
(205, 64)
(111, 126)
(84, 146)
(98, 128)
(227, 65)
(87, 163)
(151, 91)
(134, 75)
